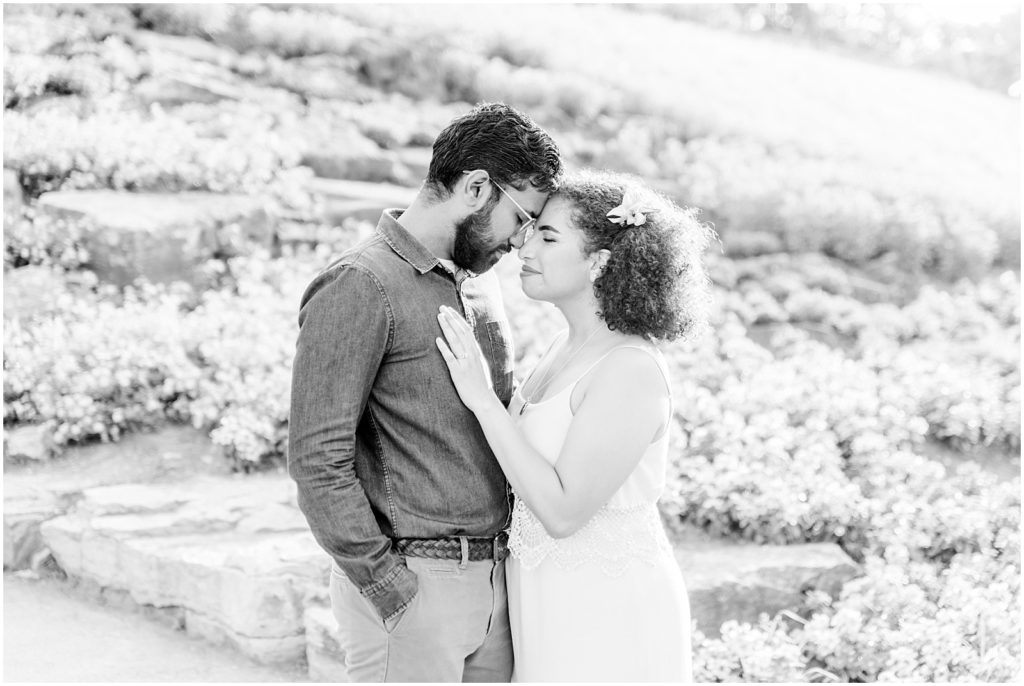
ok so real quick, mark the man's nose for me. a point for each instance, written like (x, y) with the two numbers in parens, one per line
(516, 241)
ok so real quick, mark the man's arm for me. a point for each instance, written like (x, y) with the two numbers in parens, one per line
(344, 330)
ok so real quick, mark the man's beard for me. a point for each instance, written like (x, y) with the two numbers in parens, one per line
(474, 242)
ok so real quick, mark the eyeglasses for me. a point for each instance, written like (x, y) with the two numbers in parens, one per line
(525, 230)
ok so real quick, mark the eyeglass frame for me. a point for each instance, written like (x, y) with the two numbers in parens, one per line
(525, 227)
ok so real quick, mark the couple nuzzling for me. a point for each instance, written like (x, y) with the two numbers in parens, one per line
(481, 528)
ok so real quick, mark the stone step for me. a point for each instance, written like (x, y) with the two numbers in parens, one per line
(379, 166)
(324, 656)
(387, 194)
(234, 559)
(161, 236)
(733, 580)
(14, 196)
(360, 200)
(35, 491)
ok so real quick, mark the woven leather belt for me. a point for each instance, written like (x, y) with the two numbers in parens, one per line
(451, 548)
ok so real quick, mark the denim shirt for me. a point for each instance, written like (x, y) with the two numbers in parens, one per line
(379, 443)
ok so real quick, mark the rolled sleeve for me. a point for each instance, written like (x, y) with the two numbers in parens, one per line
(345, 325)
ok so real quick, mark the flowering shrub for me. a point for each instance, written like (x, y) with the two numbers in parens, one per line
(900, 621)
(27, 76)
(100, 367)
(60, 29)
(764, 443)
(123, 149)
(845, 209)
(106, 364)
(917, 511)
(954, 354)
(745, 653)
(202, 19)
(31, 238)
(918, 622)
(244, 338)
(292, 32)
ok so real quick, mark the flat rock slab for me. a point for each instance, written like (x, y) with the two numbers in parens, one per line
(23, 515)
(331, 77)
(186, 47)
(376, 166)
(324, 656)
(160, 236)
(234, 555)
(739, 581)
(30, 442)
(14, 196)
(359, 200)
(35, 493)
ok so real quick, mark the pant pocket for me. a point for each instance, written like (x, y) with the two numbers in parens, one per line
(392, 626)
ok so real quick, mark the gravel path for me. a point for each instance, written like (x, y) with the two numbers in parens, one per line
(52, 633)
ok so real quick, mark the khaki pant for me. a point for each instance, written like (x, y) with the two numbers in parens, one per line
(455, 629)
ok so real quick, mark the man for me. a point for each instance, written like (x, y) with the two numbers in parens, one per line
(394, 474)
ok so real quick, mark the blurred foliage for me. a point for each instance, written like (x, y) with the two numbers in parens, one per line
(813, 166)
(985, 51)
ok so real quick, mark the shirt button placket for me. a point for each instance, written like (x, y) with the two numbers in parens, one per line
(460, 279)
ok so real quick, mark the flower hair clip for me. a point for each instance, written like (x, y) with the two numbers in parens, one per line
(632, 211)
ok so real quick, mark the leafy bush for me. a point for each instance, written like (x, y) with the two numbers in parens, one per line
(59, 29)
(100, 367)
(744, 653)
(293, 32)
(31, 238)
(844, 209)
(122, 149)
(919, 512)
(203, 20)
(29, 76)
(898, 622)
(107, 363)
(918, 622)
(764, 440)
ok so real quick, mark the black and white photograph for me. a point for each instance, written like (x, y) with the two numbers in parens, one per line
(487, 342)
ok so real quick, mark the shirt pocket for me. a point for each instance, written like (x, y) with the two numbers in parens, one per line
(500, 358)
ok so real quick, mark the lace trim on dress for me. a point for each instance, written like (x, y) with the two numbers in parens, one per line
(610, 540)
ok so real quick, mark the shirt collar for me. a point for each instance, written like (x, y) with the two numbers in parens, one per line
(404, 243)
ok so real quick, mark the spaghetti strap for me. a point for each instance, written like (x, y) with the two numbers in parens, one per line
(568, 388)
(543, 357)
(657, 360)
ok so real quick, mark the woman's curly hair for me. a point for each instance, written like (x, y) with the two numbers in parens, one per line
(654, 284)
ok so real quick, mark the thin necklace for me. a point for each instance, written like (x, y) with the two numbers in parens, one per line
(547, 377)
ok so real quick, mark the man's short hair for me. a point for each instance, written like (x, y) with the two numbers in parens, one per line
(501, 140)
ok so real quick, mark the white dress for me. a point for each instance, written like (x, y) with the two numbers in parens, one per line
(607, 603)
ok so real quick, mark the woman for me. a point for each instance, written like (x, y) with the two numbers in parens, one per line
(594, 591)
